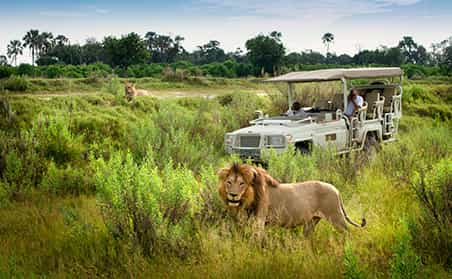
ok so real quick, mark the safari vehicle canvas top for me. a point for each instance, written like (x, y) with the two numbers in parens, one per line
(324, 123)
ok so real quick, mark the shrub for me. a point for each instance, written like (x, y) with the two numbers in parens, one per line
(404, 263)
(151, 209)
(56, 141)
(16, 83)
(21, 167)
(114, 86)
(26, 70)
(290, 166)
(6, 71)
(352, 270)
(213, 209)
(433, 187)
(68, 180)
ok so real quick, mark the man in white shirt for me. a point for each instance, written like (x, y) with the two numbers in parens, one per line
(355, 102)
(296, 110)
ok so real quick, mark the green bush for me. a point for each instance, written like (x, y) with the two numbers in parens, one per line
(21, 166)
(405, 263)
(114, 86)
(433, 188)
(26, 70)
(6, 71)
(424, 146)
(290, 166)
(322, 164)
(152, 209)
(67, 181)
(352, 270)
(56, 141)
(15, 83)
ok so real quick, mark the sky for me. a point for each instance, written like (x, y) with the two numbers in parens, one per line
(356, 24)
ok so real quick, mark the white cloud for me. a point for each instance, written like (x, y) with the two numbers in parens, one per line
(326, 9)
(62, 13)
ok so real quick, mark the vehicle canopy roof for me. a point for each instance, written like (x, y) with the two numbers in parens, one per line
(337, 74)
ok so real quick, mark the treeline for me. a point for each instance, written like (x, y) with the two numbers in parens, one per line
(134, 56)
(180, 70)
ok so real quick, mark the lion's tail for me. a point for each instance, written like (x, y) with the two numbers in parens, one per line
(363, 221)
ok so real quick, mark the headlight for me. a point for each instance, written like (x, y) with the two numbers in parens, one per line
(276, 141)
(228, 140)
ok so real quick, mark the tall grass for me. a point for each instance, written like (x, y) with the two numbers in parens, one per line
(99, 187)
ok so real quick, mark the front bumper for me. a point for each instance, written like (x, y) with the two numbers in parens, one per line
(247, 153)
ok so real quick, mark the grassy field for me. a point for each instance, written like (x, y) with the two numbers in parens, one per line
(94, 186)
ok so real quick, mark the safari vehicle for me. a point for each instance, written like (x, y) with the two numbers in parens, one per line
(324, 123)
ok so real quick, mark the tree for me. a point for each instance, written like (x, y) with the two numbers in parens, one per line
(312, 57)
(3, 60)
(14, 49)
(209, 53)
(163, 48)
(128, 50)
(413, 52)
(93, 51)
(327, 39)
(44, 43)
(447, 59)
(31, 40)
(60, 40)
(266, 52)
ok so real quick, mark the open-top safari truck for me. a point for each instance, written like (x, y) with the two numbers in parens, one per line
(324, 123)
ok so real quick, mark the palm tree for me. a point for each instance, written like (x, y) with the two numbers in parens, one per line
(14, 49)
(327, 39)
(31, 41)
(44, 42)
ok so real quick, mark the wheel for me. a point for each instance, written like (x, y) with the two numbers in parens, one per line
(371, 146)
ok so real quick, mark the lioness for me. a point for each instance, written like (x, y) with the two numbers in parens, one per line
(131, 92)
(244, 187)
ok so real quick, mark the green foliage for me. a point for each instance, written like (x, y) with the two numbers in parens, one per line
(161, 197)
(266, 52)
(432, 186)
(15, 83)
(114, 86)
(20, 165)
(291, 166)
(144, 70)
(405, 263)
(67, 181)
(6, 71)
(153, 210)
(55, 139)
(352, 269)
(125, 51)
(26, 70)
(425, 145)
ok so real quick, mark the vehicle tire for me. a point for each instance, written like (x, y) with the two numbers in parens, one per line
(304, 148)
(371, 146)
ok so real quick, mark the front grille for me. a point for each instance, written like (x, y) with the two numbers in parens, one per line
(249, 141)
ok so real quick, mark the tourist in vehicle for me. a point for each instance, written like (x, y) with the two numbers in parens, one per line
(296, 110)
(355, 102)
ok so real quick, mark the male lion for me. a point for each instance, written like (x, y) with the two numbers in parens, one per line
(244, 187)
(132, 92)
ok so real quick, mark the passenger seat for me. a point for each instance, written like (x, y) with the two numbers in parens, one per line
(388, 93)
(372, 98)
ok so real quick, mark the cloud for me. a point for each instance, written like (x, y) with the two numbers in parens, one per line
(102, 11)
(62, 13)
(75, 13)
(328, 9)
